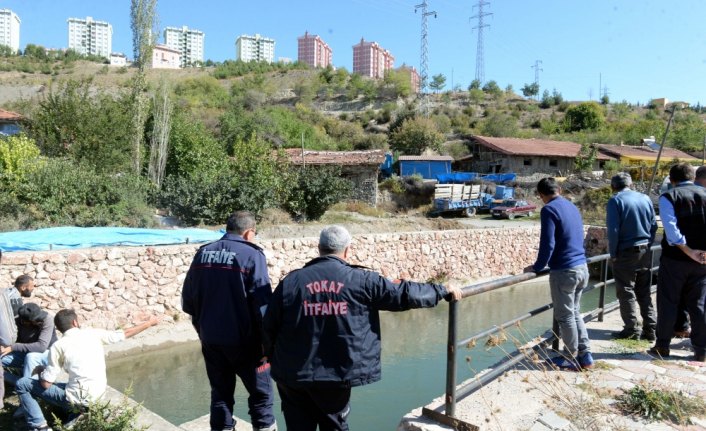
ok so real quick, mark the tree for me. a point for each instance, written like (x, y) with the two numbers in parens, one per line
(530, 90)
(586, 157)
(491, 87)
(314, 189)
(584, 116)
(476, 95)
(475, 84)
(397, 83)
(415, 135)
(438, 82)
(159, 143)
(143, 22)
(499, 124)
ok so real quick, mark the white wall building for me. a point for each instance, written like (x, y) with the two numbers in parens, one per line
(118, 59)
(188, 42)
(10, 29)
(255, 48)
(89, 37)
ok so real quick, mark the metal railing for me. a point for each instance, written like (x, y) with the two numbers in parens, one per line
(453, 393)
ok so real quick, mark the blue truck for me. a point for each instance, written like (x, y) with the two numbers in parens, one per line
(467, 199)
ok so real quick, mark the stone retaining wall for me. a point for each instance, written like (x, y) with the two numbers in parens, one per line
(117, 286)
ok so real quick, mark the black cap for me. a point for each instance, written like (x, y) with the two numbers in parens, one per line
(31, 312)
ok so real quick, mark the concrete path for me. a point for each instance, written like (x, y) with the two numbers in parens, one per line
(535, 398)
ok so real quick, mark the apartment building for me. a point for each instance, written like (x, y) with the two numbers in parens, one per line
(90, 37)
(189, 43)
(371, 60)
(312, 50)
(414, 78)
(10, 29)
(255, 48)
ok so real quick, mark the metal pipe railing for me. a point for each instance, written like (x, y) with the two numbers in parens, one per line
(452, 392)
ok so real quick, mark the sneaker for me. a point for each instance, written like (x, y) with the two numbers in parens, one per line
(563, 363)
(272, 427)
(648, 335)
(627, 334)
(585, 360)
(660, 352)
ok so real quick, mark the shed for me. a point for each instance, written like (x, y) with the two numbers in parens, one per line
(359, 167)
(426, 166)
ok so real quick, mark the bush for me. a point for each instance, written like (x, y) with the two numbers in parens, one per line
(105, 416)
(60, 192)
(660, 405)
(16, 153)
(314, 190)
(416, 135)
(584, 116)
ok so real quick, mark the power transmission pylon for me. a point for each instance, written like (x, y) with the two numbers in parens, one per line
(480, 61)
(424, 55)
(537, 69)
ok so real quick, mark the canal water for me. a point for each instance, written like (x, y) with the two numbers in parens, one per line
(172, 382)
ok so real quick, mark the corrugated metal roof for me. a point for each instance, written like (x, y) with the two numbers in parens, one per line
(371, 157)
(644, 152)
(426, 158)
(534, 147)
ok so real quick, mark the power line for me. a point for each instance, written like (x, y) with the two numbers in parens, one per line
(480, 61)
(424, 55)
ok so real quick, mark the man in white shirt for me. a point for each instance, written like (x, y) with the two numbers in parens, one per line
(80, 354)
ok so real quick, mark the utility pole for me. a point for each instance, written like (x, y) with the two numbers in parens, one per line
(480, 61)
(424, 55)
(537, 69)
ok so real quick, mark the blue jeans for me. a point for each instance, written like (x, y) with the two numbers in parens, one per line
(566, 287)
(26, 361)
(28, 388)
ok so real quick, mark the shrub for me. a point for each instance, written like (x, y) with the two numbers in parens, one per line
(314, 190)
(105, 416)
(584, 116)
(16, 152)
(660, 405)
(415, 135)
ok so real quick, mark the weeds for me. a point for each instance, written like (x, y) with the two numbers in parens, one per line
(658, 405)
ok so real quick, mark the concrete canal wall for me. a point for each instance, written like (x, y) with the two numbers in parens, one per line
(112, 287)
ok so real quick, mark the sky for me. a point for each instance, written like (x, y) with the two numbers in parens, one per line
(636, 49)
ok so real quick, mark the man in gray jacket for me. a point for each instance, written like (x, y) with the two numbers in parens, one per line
(35, 334)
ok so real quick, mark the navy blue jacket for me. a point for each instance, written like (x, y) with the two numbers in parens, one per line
(322, 327)
(226, 290)
(561, 238)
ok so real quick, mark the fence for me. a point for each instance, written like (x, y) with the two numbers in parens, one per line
(453, 393)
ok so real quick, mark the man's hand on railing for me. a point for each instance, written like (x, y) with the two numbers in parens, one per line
(453, 293)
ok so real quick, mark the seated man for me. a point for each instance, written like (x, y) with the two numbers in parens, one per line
(80, 354)
(35, 334)
(24, 285)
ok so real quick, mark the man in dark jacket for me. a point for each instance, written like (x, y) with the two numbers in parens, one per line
(322, 330)
(682, 269)
(35, 334)
(226, 291)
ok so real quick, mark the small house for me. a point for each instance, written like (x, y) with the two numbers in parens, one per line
(359, 167)
(634, 155)
(528, 156)
(426, 166)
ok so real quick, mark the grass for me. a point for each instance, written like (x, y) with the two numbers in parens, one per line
(656, 404)
(629, 347)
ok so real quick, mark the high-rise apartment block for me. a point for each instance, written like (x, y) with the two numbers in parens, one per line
(90, 37)
(255, 48)
(10, 29)
(313, 51)
(371, 60)
(188, 42)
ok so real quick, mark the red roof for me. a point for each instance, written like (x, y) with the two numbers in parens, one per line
(426, 158)
(10, 116)
(644, 151)
(371, 157)
(534, 147)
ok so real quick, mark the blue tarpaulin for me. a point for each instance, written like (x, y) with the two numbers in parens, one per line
(499, 178)
(83, 237)
(456, 177)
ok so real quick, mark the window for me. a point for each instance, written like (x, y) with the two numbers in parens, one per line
(528, 162)
(553, 163)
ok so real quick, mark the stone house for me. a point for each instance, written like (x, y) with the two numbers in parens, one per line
(527, 156)
(359, 167)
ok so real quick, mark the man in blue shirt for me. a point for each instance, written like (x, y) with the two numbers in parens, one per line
(631, 223)
(226, 292)
(561, 247)
(682, 271)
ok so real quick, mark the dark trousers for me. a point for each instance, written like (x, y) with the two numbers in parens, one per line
(223, 363)
(680, 279)
(631, 271)
(306, 407)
